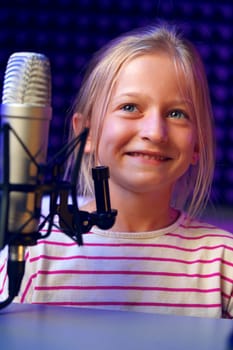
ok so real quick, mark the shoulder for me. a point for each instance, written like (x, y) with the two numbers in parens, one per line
(204, 230)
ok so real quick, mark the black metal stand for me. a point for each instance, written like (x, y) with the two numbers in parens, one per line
(73, 222)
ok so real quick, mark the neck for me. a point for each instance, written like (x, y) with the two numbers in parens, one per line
(140, 212)
(146, 217)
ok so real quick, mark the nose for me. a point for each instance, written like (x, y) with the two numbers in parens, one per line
(154, 127)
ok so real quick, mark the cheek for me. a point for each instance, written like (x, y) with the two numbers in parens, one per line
(191, 141)
(115, 134)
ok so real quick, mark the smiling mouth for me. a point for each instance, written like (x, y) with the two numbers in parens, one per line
(148, 156)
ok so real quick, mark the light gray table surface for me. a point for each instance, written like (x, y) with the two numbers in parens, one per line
(48, 327)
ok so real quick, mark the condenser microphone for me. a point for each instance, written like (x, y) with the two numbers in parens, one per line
(26, 108)
(25, 118)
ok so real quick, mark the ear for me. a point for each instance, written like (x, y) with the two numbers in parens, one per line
(77, 127)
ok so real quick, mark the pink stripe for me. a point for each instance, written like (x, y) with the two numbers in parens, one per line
(112, 303)
(144, 273)
(116, 272)
(194, 290)
(57, 230)
(167, 246)
(3, 265)
(108, 272)
(74, 257)
(227, 262)
(198, 237)
(65, 244)
(226, 296)
(26, 255)
(27, 287)
(5, 276)
(4, 283)
(227, 279)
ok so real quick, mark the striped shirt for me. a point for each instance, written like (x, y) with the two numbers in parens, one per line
(183, 269)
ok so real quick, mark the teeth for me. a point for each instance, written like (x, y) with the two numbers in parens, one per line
(148, 156)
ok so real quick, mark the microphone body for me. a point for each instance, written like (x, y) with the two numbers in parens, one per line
(26, 109)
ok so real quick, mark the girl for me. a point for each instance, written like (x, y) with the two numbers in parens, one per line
(145, 99)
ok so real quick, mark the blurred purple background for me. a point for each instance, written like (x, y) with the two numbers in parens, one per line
(69, 32)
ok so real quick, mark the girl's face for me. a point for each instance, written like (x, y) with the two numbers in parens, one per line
(148, 138)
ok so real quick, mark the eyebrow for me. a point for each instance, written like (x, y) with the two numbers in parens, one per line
(130, 94)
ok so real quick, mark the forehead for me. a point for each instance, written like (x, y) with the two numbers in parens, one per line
(155, 70)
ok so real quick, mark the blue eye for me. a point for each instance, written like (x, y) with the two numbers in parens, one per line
(177, 114)
(129, 108)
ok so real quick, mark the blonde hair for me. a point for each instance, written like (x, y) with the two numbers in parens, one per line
(192, 191)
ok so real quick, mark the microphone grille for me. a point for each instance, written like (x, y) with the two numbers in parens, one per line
(27, 80)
